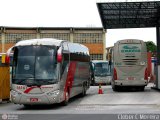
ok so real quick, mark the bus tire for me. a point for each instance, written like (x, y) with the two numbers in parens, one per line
(65, 102)
(26, 106)
(84, 89)
(93, 83)
(142, 88)
(115, 88)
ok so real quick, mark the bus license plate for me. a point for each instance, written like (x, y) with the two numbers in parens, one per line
(34, 99)
(130, 78)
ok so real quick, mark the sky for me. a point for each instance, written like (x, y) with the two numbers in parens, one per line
(65, 13)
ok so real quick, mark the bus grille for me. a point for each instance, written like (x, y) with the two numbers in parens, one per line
(130, 61)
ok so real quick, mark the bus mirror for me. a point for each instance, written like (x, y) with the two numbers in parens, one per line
(7, 56)
(59, 55)
(7, 59)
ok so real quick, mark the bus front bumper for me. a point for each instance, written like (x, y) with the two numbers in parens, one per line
(103, 80)
(34, 99)
(130, 82)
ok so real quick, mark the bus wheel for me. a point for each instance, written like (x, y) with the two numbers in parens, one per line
(115, 88)
(26, 106)
(65, 102)
(142, 88)
(92, 81)
(84, 89)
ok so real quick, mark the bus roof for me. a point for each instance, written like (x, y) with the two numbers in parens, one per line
(129, 40)
(78, 48)
(44, 41)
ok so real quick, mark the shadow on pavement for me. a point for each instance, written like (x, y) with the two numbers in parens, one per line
(52, 106)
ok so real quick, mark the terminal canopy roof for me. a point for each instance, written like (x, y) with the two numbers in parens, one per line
(129, 14)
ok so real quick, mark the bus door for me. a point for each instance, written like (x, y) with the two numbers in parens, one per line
(64, 69)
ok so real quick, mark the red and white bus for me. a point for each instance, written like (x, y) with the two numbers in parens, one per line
(47, 71)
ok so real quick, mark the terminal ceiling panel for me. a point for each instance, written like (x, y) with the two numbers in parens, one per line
(129, 14)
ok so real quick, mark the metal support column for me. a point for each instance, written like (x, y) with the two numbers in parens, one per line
(38, 36)
(71, 35)
(104, 43)
(158, 58)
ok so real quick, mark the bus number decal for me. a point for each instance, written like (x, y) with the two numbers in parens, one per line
(20, 87)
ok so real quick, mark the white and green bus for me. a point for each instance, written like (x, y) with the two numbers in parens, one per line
(102, 72)
(130, 64)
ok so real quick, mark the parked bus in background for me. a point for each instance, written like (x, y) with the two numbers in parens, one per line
(130, 64)
(47, 71)
(102, 72)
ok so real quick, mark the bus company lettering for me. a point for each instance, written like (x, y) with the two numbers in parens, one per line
(21, 87)
(130, 49)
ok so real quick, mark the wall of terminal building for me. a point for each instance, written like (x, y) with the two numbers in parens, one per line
(109, 53)
(93, 38)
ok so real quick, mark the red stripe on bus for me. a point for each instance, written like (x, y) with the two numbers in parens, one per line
(29, 89)
(70, 77)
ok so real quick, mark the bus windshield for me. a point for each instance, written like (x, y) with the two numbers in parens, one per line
(34, 65)
(102, 69)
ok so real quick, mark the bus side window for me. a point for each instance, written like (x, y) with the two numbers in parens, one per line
(15, 56)
(65, 53)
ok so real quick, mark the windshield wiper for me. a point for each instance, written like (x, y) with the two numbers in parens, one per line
(34, 84)
(47, 81)
(53, 82)
(18, 82)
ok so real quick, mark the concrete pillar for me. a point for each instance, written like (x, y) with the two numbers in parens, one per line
(158, 58)
(38, 34)
(104, 44)
(3, 40)
(71, 35)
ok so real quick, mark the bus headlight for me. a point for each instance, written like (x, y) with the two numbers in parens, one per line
(15, 93)
(55, 93)
(142, 63)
